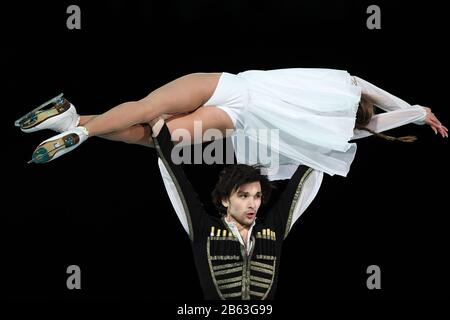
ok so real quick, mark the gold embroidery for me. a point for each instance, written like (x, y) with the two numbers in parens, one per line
(208, 252)
(228, 280)
(263, 270)
(261, 285)
(228, 265)
(294, 201)
(231, 285)
(225, 258)
(232, 295)
(262, 265)
(265, 257)
(227, 271)
(271, 282)
(214, 238)
(266, 234)
(255, 278)
(258, 294)
(246, 271)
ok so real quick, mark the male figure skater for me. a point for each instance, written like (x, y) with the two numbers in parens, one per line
(237, 256)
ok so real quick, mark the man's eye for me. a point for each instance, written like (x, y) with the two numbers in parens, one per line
(243, 196)
(258, 196)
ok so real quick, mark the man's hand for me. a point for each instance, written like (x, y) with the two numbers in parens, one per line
(435, 124)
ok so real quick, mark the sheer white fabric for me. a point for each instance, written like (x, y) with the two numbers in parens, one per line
(398, 112)
(174, 197)
(288, 117)
(312, 114)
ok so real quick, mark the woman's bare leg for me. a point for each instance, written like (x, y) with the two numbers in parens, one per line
(204, 118)
(137, 134)
(209, 117)
(181, 95)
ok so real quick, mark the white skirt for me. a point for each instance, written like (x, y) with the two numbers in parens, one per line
(287, 117)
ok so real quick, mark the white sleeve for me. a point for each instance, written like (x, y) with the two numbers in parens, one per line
(389, 120)
(309, 191)
(398, 112)
(173, 195)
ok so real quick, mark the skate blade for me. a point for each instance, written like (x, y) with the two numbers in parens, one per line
(49, 155)
(17, 123)
(59, 144)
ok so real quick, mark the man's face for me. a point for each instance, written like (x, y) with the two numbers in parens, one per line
(243, 204)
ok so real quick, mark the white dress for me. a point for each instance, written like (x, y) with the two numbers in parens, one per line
(314, 111)
(287, 117)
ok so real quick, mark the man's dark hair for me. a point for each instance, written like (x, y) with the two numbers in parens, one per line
(232, 177)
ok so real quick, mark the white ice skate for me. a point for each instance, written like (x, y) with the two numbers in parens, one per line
(59, 115)
(58, 145)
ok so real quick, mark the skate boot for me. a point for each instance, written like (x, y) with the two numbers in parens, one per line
(58, 145)
(57, 114)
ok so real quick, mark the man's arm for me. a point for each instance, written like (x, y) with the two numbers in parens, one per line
(299, 193)
(185, 200)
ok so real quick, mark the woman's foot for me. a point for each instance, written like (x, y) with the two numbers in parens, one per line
(58, 145)
(60, 116)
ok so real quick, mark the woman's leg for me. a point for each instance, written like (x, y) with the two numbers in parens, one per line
(182, 95)
(136, 134)
(206, 117)
(191, 128)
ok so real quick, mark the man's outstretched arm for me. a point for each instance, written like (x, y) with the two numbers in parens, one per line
(185, 200)
(293, 201)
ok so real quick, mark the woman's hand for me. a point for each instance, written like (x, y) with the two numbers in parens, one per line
(435, 124)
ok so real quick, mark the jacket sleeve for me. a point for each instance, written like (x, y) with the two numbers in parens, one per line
(185, 200)
(298, 194)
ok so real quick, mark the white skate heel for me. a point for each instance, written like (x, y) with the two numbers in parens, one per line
(60, 115)
(58, 145)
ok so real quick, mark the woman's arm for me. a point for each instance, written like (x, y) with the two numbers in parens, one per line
(398, 112)
(383, 99)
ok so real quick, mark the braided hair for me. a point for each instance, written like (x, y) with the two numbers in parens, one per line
(364, 115)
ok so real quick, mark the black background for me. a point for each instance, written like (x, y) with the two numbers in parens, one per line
(103, 207)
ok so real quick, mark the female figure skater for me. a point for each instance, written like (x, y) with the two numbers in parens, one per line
(316, 112)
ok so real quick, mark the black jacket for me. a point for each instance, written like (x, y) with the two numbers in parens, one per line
(225, 269)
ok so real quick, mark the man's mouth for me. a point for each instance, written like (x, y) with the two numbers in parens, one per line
(251, 214)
